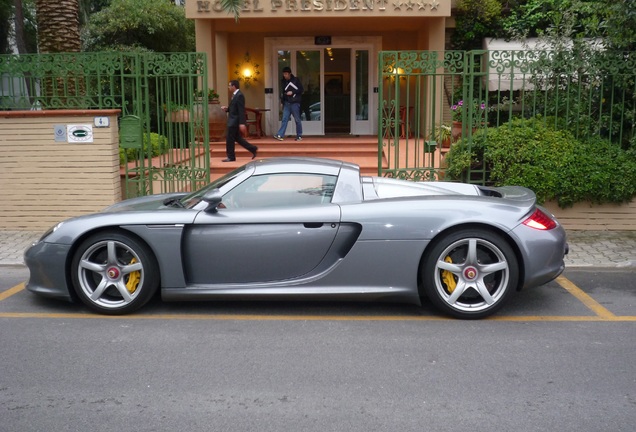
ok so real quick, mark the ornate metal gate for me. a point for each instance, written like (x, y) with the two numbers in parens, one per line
(416, 93)
(164, 133)
(429, 100)
(168, 147)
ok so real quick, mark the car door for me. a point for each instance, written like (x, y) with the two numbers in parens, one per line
(270, 228)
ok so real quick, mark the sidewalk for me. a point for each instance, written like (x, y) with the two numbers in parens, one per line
(587, 248)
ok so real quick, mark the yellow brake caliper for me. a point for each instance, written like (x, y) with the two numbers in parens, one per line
(133, 278)
(448, 278)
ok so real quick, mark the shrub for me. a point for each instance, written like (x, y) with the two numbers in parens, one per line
(158, 144)
(551, 162)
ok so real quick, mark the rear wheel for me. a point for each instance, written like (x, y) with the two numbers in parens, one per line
(470, 274)
(114, 274)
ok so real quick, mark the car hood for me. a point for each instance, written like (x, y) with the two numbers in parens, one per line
(136, 211)
(150, 202)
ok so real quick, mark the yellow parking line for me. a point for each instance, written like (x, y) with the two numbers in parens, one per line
(11, 291)
(601, 313)
(584, 298)
(221, 317)
(564, 318)
(238, 317)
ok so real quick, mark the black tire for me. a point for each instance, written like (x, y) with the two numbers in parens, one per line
(114, 274)
(470, 274)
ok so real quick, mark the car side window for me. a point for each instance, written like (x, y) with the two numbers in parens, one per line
(281, 190)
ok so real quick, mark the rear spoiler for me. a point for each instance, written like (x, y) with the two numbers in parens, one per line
(518, 194)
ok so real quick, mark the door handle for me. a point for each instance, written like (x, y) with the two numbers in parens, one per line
(313, 224)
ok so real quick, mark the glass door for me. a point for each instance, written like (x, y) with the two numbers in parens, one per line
(306, 65)
(337, 94)
(361, 97)
(339, 80)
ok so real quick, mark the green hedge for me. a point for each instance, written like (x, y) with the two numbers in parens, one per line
(553, 163)
(158, 143)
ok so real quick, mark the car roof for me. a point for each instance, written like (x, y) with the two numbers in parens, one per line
(301, 165)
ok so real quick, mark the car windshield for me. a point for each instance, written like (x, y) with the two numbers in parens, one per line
(281, 190)
(194, 198)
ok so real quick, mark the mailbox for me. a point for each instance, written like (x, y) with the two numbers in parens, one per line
(130, 132)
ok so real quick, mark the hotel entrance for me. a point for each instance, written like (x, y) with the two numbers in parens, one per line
(338, 85)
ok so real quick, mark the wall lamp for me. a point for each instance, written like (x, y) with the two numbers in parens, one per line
(247, 71)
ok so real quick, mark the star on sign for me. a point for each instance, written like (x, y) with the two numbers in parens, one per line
(421, 5)
(434, 5)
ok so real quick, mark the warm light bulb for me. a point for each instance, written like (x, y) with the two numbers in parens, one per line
(247, 73)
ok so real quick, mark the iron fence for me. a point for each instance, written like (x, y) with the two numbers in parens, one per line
(425, 96)
(164, 132)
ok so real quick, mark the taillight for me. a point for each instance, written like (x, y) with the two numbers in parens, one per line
(539, 220)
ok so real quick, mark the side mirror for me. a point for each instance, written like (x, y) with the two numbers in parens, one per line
(213, 198)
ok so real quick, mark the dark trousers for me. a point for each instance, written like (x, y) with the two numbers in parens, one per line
(234, 136)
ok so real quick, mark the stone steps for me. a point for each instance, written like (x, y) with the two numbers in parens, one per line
(361, 150)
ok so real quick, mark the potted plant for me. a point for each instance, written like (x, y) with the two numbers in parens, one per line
(217, 118)
(212, 96)
(443, 135)
(176, 112)
(457, 111)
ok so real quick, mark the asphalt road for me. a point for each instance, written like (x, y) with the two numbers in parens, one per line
(559, 357)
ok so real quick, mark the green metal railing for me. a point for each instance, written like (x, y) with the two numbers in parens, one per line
(165, 135)
(163, 126)
(587, 91)
(412, 106)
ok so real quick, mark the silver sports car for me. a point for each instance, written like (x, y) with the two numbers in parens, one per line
(304, 228)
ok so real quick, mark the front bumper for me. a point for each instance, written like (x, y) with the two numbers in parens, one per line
(47, 270)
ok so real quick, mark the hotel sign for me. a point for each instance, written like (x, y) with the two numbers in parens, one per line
(299, 8)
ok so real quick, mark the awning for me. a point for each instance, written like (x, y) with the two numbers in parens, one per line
(510, 63)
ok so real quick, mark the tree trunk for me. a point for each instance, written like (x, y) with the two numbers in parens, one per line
(58, 26)
(18, 21)
(58, 32)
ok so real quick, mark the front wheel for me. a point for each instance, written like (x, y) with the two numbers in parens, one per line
(470, 274)
(114, 274)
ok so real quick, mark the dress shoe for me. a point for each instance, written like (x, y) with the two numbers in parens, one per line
(228, 160)
(255, 151)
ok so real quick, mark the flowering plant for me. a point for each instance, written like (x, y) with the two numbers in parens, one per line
(212, 94)
(456, 110)
(479, 112)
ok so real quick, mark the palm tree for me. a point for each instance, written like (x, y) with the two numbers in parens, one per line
(233, 7)
(58, 32)
(58, 26)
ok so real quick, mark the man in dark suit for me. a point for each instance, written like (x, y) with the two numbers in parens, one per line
(236, 118)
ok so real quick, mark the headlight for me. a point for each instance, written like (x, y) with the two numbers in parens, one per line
(50, 231)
